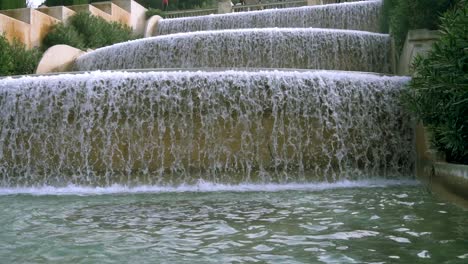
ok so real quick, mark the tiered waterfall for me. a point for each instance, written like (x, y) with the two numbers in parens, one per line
(292, 95)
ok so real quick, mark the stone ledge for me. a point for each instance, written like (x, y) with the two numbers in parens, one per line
(61, 13)
(454, 177)
(446, 179)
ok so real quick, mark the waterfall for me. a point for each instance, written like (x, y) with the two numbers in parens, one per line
(356, 16)
(133, 128)
(309, 48)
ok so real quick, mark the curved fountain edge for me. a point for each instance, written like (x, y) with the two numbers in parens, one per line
(204, 70)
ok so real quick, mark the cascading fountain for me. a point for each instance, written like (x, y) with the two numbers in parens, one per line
(225, 158)
(236, 121)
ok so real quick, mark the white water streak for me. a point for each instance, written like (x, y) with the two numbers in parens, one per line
(297, 48)
(358, 16)
(153, 128)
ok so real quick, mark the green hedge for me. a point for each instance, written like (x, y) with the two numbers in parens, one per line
(10, 4)
(399, 16)
(69, 2)
(85, 31)
(155, 12)
(438, 92)
(15, 59)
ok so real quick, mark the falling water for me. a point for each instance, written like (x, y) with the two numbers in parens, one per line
(101, 128)
(257, 48)
(357, 16)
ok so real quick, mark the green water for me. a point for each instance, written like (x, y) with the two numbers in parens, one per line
(393, 224)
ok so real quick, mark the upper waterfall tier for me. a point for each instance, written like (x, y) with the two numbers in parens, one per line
(358, 16)
(254, 48)
(178, 127)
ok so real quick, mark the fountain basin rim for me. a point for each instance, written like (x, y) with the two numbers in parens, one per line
(246, 69)
(205, 187)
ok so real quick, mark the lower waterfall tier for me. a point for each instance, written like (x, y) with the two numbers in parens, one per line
(308, 48)
(104, 128)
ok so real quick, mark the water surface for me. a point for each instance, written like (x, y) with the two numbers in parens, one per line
(329, 223)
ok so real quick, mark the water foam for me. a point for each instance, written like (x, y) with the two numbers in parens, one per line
(203, 186)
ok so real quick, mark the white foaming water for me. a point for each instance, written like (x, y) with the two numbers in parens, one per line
(155, 128)
(357, 16)
(203, 186)
(298, 48)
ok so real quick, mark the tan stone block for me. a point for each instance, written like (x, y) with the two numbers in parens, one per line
(151, 28)
(58, 58)
(59, 12)
(15, 29)
(93, 10)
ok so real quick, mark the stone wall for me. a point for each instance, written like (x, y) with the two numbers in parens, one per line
(33, 29)
(417, 42)
(61, 13)
(14, 29)
(137, 14)
(30, 26)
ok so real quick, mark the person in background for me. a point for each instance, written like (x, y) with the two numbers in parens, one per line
(165, 4)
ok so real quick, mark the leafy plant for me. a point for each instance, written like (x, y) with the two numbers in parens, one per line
(61, 34)
(87, 31)
(154, 12)
(6, 62)
(12, 4)
(438, 93)
(15, 59)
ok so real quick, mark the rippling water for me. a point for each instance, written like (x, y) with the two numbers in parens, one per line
(335, 223)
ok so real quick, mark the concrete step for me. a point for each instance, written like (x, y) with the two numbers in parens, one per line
(36, 25)
(61, 13)
(13, 28)
(93, 10)
(117, 13)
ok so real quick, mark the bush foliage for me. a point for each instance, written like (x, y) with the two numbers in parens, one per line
(399, 16)
(15, 59)
(154, 12)
(438, 93)
(85, 31)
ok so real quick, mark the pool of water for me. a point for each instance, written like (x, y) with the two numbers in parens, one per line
(360, 222)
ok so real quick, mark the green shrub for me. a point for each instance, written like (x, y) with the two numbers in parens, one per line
(15, 59)
(399, 16)
(61, 34)
(12, 4)
(87, 31)
(154, 12)
(6, 62)
(438, 92)
(24, 61)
